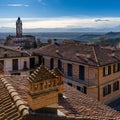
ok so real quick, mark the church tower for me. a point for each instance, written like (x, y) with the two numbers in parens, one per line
(19, 27)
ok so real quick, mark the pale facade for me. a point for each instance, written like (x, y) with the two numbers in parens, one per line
(22, 66)
(17, 61)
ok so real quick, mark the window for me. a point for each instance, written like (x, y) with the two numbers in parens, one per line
(15, 64)
(85, 89)
(41, 60)
(25, 65)
(69, 69)
(51, 63)
(106, 90)
(70, 84)
(60, 65)
(82, 89)
(1, 65)
(31, 72)
(15, 73)
(116, 86)
(32, 63)
(116, 67)
(106, 70)
(2, 62)
(81, 72)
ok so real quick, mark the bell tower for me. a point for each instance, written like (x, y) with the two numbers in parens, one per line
(19, 27)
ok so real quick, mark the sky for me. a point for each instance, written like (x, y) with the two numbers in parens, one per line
(60, 13)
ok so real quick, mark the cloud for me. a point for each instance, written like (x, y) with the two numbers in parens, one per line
(101, 20)
(63, 22)
(16, 5)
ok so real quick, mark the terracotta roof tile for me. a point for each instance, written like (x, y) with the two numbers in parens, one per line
(82, 106)
(8, 109)
(7, 52)
(81, 53)
(73, 104)
(57, 72)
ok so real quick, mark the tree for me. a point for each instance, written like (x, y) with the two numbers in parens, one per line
(27, 44)
(34, 44)
(39, 42)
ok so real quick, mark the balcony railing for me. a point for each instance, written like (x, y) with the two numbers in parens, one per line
(73, 78)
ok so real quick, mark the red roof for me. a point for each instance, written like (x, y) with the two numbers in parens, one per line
(80, 53)
(72, 104)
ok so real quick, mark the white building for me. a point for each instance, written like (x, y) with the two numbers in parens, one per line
(16, 61)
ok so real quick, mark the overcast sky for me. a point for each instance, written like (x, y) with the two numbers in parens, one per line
(60, 13)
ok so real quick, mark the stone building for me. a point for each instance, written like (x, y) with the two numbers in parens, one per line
(19, 27)
(38, 97)
(91, 69)
(25, 41)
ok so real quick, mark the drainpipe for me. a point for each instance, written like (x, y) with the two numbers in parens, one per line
(98, 86)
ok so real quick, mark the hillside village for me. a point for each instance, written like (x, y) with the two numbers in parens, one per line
(59, 81)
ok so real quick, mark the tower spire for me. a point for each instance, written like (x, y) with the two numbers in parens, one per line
(19, 27)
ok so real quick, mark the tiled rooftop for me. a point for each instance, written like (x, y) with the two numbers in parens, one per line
(57, 72)
(7, 52)
(81, 53)
(73, 104)
(80, 105)
(12, 106)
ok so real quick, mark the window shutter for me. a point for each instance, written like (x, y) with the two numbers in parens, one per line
(109, 70)
(118, 66)
(104, 91)
(109, 88)
(104, 71)
(118, 85)
(114, 68)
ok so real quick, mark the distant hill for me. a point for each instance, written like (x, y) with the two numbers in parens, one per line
(67, 29)
(86, 37)
(110, 38)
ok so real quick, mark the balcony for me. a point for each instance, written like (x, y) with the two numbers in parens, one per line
(73, 78)
(22, 70)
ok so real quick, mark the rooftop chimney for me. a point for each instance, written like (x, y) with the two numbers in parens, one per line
(57, 51)
(113, 53)
(88, 55)
(77, 54)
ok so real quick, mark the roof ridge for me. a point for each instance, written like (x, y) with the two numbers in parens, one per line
(57, 72)
(12, 49)
(17, 100)
(94, 52)
(45, 46)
